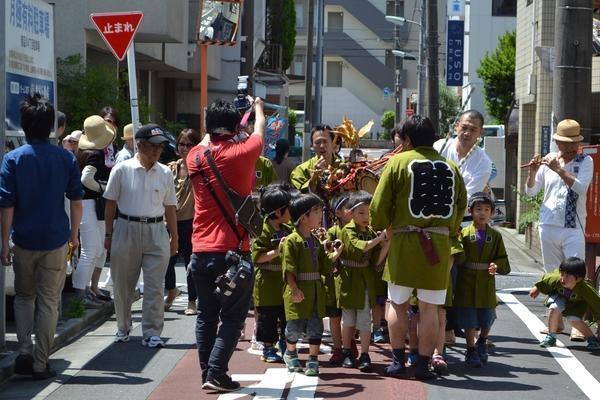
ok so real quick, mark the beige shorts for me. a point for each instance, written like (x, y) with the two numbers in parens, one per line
(400, 294)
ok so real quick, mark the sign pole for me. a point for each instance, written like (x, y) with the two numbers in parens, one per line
(133, 92)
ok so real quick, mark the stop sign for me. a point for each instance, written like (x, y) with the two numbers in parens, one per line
(117, 29)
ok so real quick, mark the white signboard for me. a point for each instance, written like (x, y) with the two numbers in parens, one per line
(456, 8)
(29, 55)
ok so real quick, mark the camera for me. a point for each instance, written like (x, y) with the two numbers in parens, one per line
(241, 102)
(238, 275)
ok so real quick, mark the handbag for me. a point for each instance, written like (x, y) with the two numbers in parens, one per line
(244, 207)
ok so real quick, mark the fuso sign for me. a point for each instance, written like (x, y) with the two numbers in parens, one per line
(117, 29)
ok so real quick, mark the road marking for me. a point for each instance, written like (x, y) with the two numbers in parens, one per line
(272, 383)
(563, 356)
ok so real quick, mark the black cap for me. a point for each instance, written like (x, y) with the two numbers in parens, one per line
(481, 197)
(152, 133)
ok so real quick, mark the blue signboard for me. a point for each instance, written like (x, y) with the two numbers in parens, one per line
(17, 88)
(455, 52)
(545, 142)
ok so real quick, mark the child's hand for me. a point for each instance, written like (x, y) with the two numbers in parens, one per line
(492, 269)
(297, 295)
(534, 292)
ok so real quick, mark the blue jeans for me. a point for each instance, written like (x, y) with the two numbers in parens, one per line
(215, 343)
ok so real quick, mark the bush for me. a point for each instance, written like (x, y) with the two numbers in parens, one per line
(387, 123)
(533, 215)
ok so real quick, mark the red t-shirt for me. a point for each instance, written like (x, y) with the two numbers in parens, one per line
(235, 161)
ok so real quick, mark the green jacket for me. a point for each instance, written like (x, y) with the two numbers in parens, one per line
(265, 173)
(584, 295)
(419, 188)
(354, 281)
(476, 287)
(297, 259)
(332, 282)
(268, 286)
(300, 176)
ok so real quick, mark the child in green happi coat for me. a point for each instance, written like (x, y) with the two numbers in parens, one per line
(305, 263)
(268, 286)
(361, 258)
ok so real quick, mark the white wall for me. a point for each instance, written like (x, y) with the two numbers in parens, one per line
(339, 101)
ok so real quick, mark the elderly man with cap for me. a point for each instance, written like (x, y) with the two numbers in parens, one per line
(565, 177)
(127, 151)
(144, 192)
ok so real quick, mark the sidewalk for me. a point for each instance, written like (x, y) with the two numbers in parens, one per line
(522, 259)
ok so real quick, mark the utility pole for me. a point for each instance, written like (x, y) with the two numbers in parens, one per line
(572, 93)
(308, 81)
(421, 66)
(318, 110)
(433, 106)
(397, 65)
(247, 67)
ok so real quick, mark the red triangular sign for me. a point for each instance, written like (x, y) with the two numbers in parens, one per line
(117, 29)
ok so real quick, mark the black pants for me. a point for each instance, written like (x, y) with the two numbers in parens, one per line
(184, 229)
(269, 319)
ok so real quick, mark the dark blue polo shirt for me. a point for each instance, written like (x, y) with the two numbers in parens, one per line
(34, 179)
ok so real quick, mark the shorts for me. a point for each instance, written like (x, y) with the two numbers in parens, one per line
(474, 318)
(359, 319)
(400, 294)
(333, 312)
(313, 327)
(557, 302)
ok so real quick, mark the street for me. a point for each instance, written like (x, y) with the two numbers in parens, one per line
(92, 367)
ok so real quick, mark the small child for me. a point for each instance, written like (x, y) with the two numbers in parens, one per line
(475, 290)
(305, 262)
(569, 294)
(343, 215)
(360, 259)
(268, 286)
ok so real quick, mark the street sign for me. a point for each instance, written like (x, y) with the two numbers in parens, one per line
(456, 8)
(117, 29)
(545, 140)
(455, 51)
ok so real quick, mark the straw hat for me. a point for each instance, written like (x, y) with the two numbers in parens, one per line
(97, 134)
(568, 130)
(128, 132)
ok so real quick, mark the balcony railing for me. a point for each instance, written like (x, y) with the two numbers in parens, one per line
(271, 59)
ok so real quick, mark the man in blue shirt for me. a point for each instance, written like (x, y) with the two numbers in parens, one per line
(34, 180)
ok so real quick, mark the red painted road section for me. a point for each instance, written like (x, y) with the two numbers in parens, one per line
(183, 381)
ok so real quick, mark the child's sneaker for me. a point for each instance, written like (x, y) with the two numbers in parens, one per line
(336, 358)
(348, 359)
(378, 336)
(472, 359)
(270, 355)
(593, 343)
(439, 365)
(256, 345)
(312, 368)
(549, 341)
(364, 363)
(482, 350)
(292, 362)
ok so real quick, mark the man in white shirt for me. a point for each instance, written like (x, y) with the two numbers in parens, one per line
(144, 191)
(127, 151)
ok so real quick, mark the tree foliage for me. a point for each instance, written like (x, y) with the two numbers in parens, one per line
(387, 123)
(449, 108)
(281, 27)
(83, 90)
(497, 70)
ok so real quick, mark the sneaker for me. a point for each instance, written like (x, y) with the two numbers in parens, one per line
(378, 336)
(45, 374)
(336, 358)
(121, 337)
(439, 365)
(24, 364)
(412, 359)
(482, 350)
(364, 363)
(549, 341)
(153, 341)
(397, 367)
(91, 301)
(292, 362)
(270, 355)
(593, 343)
(422, 371)
(221, 384)
(348, 360)
(312, 368)
(472, 359)
(256, 345)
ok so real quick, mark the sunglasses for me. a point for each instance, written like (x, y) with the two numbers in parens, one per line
(188, 145)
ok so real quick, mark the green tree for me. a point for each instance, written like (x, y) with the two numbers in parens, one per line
(281, 27)
(497, 70)
(83, 90)
(449, 108)
(387, 123)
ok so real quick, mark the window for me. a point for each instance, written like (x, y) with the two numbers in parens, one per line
(298, 64)
(299, 15)
(390, 8)
(504, 8)
(335, 22)
(334, 74)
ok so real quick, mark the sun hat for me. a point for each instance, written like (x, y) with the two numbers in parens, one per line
(128, 132)
(568, 130)
(98, 134)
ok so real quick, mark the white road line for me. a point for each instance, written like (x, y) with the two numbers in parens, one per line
(271, 385)
(563, 356)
